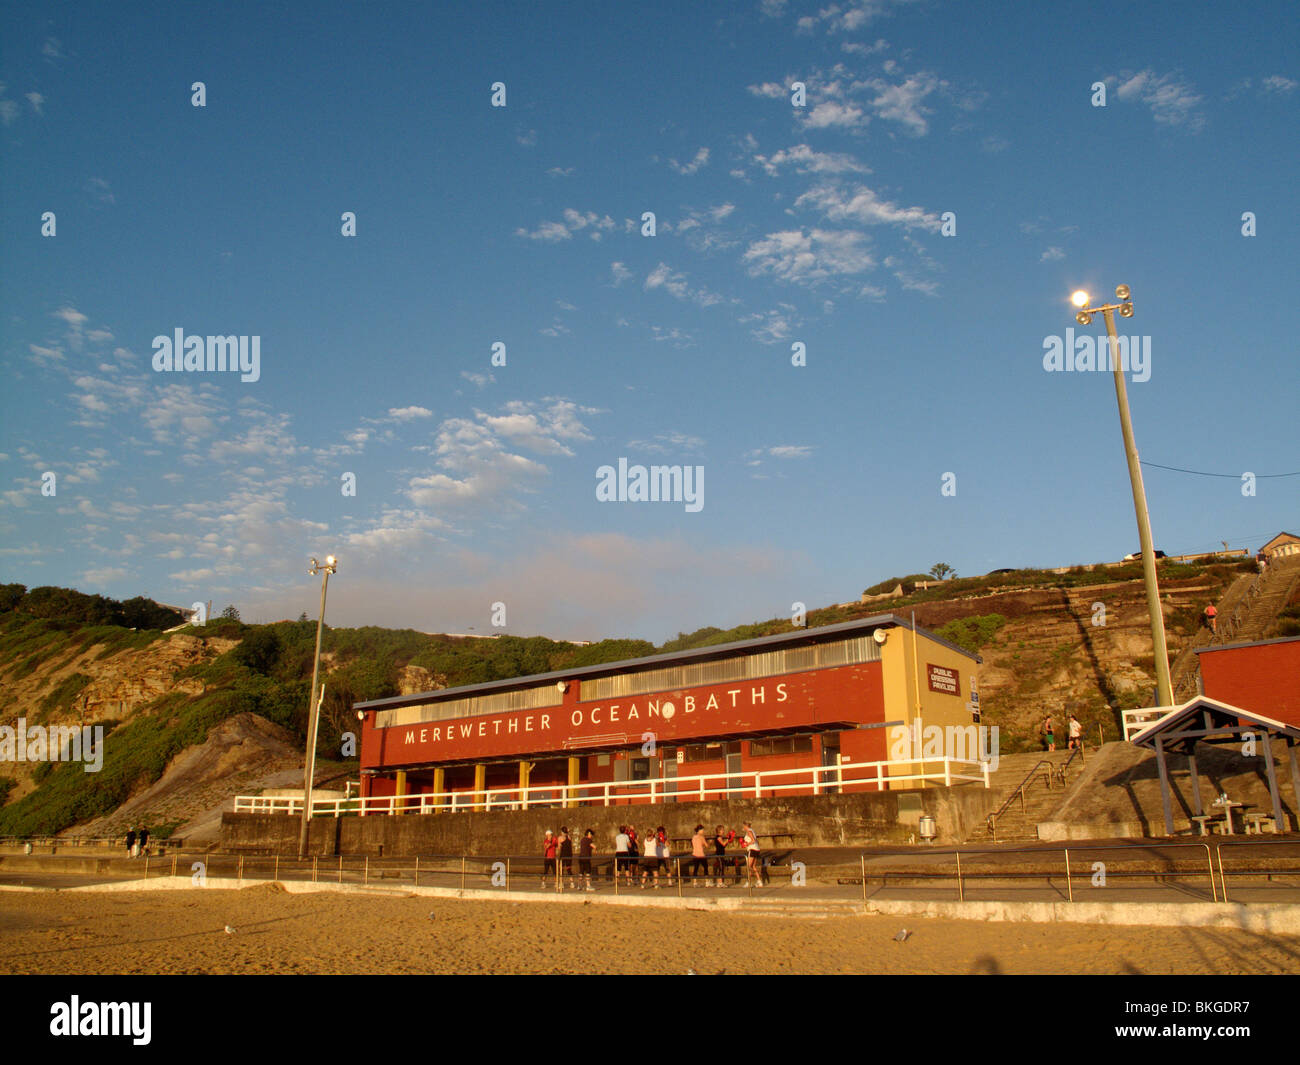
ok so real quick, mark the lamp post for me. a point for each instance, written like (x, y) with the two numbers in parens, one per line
(313, 710)
(1164, 686)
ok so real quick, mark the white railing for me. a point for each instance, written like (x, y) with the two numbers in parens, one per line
(1137, 720)
(817, 780)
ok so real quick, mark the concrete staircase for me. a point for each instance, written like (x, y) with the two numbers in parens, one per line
(1247, 611)
(1042, 792)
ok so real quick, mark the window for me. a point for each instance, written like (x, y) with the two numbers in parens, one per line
(704, 752)
(739, 667)
(786, 745)
(534, 698)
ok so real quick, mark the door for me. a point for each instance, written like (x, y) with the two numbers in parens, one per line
(733, 773)
(830, 757)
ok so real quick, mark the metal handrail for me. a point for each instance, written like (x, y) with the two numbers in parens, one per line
(1020, 790)
(1076, 753)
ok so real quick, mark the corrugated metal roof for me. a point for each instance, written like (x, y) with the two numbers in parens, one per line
(699, 654)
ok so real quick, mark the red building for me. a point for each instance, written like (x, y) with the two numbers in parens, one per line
(1262, 677)
(691, 724)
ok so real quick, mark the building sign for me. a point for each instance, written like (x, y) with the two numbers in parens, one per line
(793, 701)
(943, 680)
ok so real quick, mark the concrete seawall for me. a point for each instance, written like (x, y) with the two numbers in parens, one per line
(806, 821)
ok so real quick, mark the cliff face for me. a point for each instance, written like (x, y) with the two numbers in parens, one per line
(1085, 651)
(74, 685)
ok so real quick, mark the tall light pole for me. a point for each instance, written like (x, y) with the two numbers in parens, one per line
(313, 710)
(1164, 686)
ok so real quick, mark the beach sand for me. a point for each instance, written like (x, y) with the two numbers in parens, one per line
(181, 932)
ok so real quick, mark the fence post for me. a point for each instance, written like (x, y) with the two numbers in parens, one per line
(365, 876)
(864, 879)
(314, 860)
(340, 868)
(277, 866)
(417, 870)
(679, 878)
(173, 863)
(1214, 891)
(462, 872)
(1069, 887)
(240, 873)
(947, 773)
(507, 874)
(758, 785)
(1222, 879)
(146, 864)
(961, 891)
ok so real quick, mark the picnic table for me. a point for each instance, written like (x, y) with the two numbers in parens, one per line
(1227, 808)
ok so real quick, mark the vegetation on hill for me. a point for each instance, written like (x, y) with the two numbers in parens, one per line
(268, 672)
(972, 633)
(65, 604)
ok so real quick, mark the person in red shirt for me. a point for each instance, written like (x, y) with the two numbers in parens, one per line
(1211, 618)
(549, 845)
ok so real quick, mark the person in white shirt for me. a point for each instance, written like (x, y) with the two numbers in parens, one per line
(622, 844)
(753, 856)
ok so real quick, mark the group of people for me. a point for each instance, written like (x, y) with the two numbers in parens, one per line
(650, 857)
(137, 843)
(1074, 728)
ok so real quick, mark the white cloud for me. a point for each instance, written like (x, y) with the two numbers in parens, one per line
(1172, 102)
(1051, 255)
(831, 113)
(770, 90)
(808, 257)
(668, 443)
(701, 159)
(406, 414)
(619, 272)
(860, 204)
(663, 276)
(99, 191)
(36, 100)
(1276, 83)
(574, 222)
(904, 102)
(805, 160)
(773, 325)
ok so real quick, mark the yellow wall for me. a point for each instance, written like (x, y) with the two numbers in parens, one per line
(905, 660)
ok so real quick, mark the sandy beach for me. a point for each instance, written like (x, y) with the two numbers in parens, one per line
(169, 932)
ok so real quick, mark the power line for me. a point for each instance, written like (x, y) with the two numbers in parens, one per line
(1202, 473)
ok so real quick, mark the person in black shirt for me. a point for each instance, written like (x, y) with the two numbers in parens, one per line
(144, 841)
(586, 848)
(130, 842)
(566, 857)
(720, 842)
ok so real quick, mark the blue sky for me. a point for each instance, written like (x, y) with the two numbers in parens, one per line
(775, 225)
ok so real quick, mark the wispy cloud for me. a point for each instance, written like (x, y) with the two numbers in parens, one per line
(573, 222)
(804, 160)
(840, 203)
(701, 160)
(676, 283)
(807, 257)
(1171, 101)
